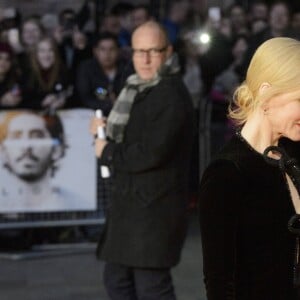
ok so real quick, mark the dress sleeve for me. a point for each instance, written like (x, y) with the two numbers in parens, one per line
(220, 199)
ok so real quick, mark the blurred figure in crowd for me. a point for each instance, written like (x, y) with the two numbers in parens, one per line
(110, 23)
(216, 57)
(227, 81)
(190, 67)
(100, 79)
(24, 41)
(31, 32)
(73, 43)
(176, 19)
(258, 10)
(238, 20)
(140, 14)
(222, 91)
(47, 84)
(10, 85)
(123, 10)
(279, 24)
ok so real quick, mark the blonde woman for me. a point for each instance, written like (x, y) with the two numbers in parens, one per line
(245, 202)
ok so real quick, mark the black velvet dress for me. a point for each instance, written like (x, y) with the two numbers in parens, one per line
(244, 209)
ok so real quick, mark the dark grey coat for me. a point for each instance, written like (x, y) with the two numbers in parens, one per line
(147, 218)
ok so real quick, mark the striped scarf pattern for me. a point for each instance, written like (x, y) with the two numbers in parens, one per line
(120, 113)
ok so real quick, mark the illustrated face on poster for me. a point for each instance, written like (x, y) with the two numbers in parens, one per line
(28, 148)
(41, 162)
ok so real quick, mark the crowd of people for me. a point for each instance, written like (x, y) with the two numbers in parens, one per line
(61, 61)
(80, 59)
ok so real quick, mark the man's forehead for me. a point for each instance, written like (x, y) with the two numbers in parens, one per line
(148, 36)
(27, 122)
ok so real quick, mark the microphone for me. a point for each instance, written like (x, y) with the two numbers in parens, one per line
(101, 135)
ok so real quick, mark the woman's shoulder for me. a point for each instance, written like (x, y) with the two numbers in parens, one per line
(232, 151)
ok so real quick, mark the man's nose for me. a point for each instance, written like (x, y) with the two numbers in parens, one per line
(146, 57)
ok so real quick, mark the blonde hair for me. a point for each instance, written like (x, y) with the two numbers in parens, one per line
(5, 122)
(276, 62)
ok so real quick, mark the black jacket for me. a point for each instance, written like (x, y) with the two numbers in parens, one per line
(146, 223)
(244, 209)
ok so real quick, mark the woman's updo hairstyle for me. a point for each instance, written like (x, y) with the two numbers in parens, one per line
(276, 62)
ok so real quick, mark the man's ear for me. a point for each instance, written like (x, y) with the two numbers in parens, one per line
(169, 50)
(57, 152)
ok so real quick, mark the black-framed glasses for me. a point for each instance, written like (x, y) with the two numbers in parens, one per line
(152, 52)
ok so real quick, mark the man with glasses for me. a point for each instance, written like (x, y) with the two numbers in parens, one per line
(150, 131)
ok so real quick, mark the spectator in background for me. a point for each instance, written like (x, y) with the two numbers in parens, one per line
(140, 14)
(175, 19)
(257, 26)
(31, 32)
(110, 23)
(258, 11)
(278, 25)
(47, 85)
(216, 57)
(258, 16)
(222, 91)
(123, 10)
(10, 19)
(100, 79)
(238, 20)
(49, 22)
(10, 90)
(226, 82)
(73, 44)
(190, 68)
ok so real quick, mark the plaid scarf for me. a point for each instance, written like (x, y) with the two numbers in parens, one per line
(120, 113)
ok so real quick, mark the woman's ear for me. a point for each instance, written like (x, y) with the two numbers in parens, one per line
(264, 87)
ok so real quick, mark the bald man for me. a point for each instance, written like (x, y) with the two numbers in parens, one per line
(150, 131)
